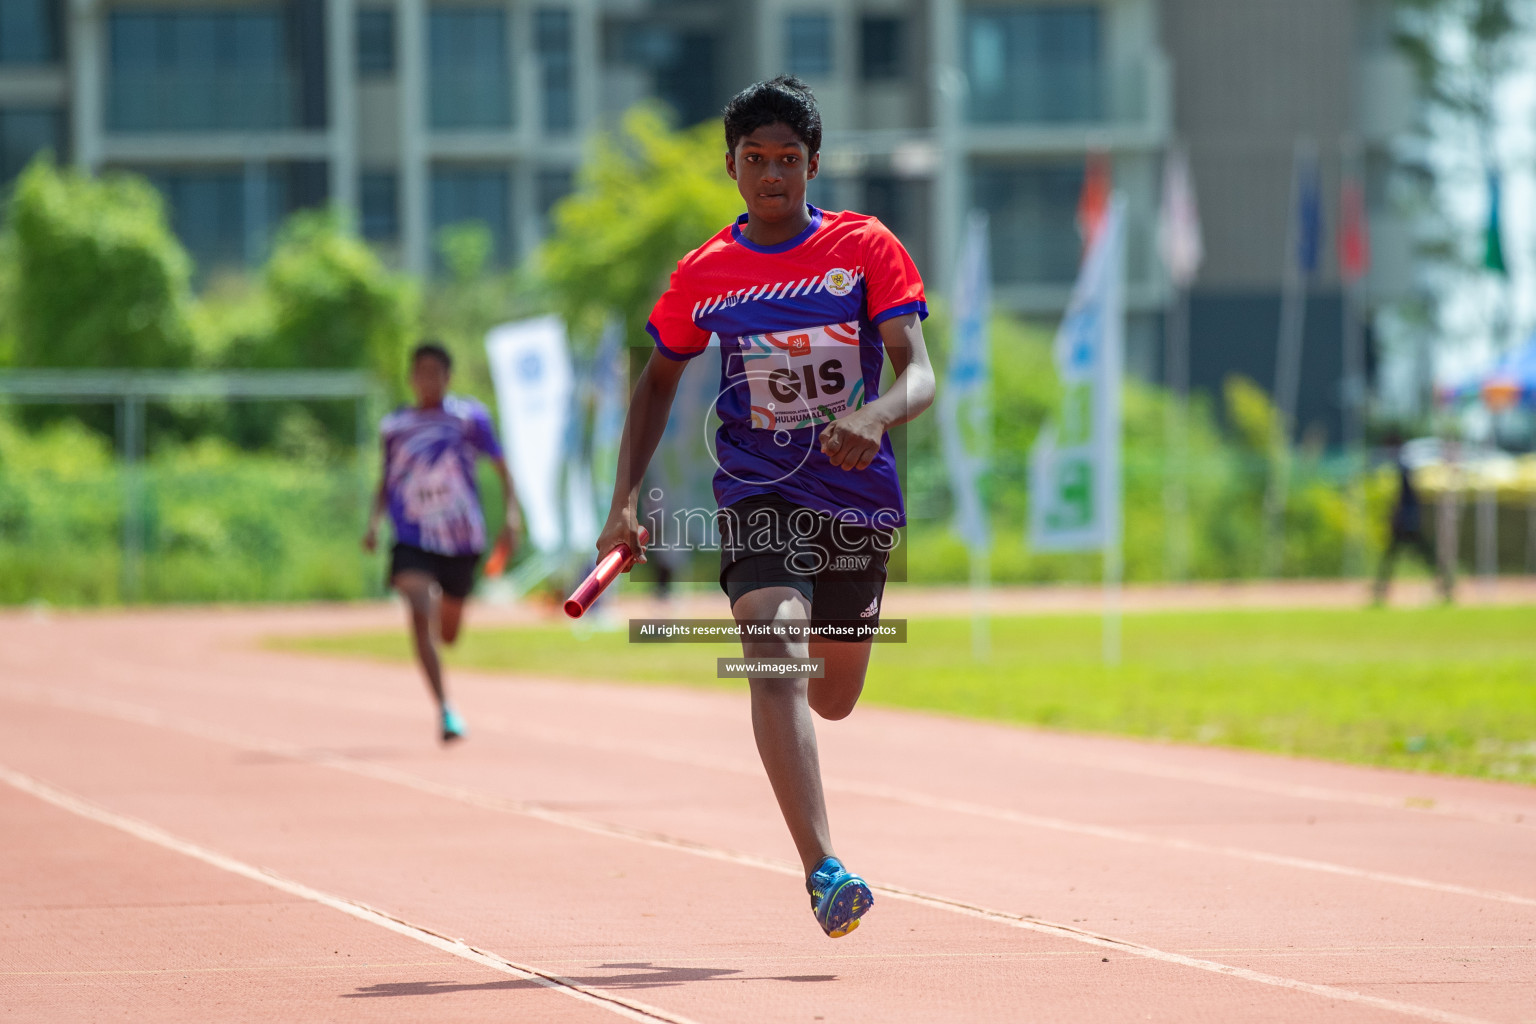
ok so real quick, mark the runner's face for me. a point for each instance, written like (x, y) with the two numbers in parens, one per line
(429, 381)
(771, 167)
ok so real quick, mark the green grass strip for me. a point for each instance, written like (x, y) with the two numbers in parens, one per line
(1449, 690)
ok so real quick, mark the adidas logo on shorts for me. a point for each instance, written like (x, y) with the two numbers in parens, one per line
(874, 607)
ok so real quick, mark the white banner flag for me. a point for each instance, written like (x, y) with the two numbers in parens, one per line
(1074, 494)
(1180, 242)
(965, 402)
(531, 368)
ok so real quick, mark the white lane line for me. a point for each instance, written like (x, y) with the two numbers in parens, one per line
(1162, 956)
(911, 798)
(1140, 767)
(628, 1008)
(914, 798)
(485, 801)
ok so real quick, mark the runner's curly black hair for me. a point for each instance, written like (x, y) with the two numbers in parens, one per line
(783, 99)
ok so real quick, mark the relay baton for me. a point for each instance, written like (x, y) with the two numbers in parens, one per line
(496, 563)
(608, 569)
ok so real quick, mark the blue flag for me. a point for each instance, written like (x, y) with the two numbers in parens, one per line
(1309, 211)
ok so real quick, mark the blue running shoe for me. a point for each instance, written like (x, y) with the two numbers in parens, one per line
(838, 897)
(453, 725)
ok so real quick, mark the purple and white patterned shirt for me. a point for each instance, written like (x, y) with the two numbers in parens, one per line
(429, 474)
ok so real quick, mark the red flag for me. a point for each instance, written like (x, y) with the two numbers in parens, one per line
(1354, 232)
(1093, 204)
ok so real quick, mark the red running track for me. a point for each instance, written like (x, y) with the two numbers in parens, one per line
(193, 828)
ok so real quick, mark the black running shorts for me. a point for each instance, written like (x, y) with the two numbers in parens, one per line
(838, 566)
(454, 573)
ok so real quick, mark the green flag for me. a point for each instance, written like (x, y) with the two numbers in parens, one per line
(1493, 241)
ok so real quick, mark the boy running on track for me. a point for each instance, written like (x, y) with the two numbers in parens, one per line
(429, 488)
(806, 303)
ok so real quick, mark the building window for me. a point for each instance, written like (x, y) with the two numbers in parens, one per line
(1033, 216)
(482, 195)
(552, 38)
(200, 71)
(470, 82)
(375, 41)
(23, 135)
(681, 63)
(1034, 64)
(225, 217)
(553, 184)
(379, 195)
(808, 44)
(29, 32)
(882, 48)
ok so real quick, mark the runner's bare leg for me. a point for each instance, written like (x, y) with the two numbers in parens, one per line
(422, 599)
(782, 724)
(833, 696)
(450, 614)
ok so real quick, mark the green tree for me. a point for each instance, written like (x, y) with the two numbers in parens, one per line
(647, 195)
(1462, 53)
(458, 308)
(330, 304)
(334, 304)
(99, 280)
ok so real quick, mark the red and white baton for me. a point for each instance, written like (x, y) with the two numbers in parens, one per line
(597, 581)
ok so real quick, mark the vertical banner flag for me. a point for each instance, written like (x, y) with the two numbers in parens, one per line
(597, 421)
(531, 370)
(610, 387)
(965, 402)
(1493, 234)
(1093, 201)
(1074, 493)
(1309, 209)
(1180, 241)
(1354, 230)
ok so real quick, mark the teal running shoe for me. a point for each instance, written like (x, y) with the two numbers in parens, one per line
(838, 897)
(453, 725)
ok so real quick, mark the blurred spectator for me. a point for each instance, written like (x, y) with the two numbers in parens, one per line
(1406, 529)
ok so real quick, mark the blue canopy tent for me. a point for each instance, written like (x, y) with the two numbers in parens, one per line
(1510, 384)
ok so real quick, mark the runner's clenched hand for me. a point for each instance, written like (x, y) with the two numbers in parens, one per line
(623, 527)
(852, 441)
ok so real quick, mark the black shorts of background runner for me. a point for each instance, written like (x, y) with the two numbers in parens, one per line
(839, 568)
(454, 573)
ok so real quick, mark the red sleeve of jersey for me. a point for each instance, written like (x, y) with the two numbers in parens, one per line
(671, 323)
(892, 286)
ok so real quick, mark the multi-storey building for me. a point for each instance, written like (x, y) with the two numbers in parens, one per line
(415, 114)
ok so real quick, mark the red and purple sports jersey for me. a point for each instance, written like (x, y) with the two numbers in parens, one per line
(429, 474)
(799, 347)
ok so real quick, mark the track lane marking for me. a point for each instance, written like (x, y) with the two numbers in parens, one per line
(628, 1008)
(1128, 765)
(911, 798)
(659, 840)
(914, 798)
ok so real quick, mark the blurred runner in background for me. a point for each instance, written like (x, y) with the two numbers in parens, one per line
(429, 488)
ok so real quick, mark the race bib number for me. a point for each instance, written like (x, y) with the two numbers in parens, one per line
(436, 492)
(804, 377)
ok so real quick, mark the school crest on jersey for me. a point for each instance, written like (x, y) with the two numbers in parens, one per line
(838, 281)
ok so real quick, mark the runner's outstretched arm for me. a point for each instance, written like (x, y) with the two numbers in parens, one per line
(512, 524)
(376, 510)
(643, 427)
(853, 441)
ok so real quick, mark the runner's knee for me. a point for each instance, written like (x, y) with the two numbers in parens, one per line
(834, 699)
